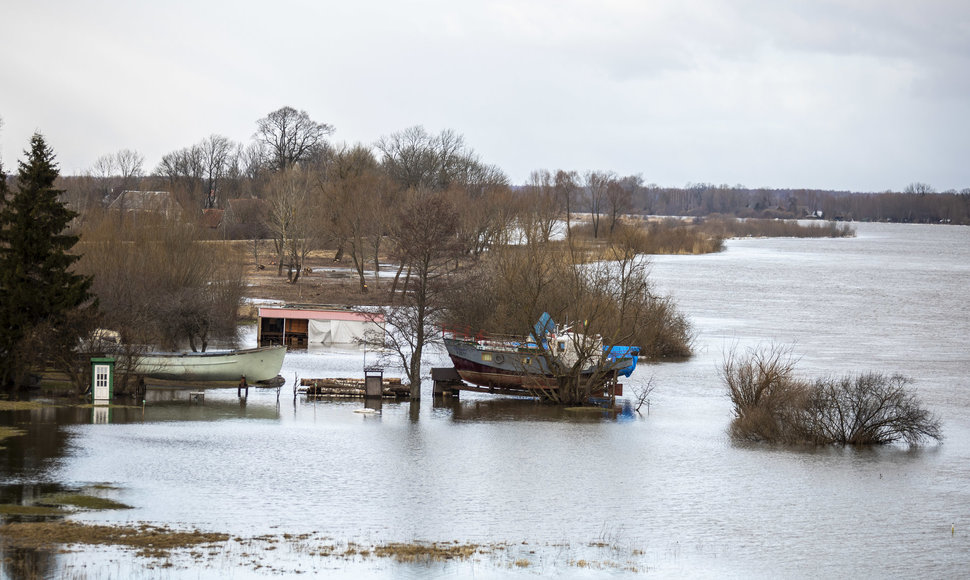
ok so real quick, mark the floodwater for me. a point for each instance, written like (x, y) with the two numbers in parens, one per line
(663, 493)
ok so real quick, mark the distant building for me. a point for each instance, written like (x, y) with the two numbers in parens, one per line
(160, 202)
(302, 324)
(212, 218)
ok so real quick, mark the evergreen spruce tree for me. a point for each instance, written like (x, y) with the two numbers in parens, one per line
(39, 292)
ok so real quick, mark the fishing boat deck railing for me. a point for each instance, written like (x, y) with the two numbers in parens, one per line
(491, 341)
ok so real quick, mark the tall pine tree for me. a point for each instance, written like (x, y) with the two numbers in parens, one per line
(39, 292)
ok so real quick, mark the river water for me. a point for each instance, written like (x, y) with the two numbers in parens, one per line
(665, 492)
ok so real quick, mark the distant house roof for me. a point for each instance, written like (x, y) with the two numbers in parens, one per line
(147, 201)
(212, 218)
(321, 312)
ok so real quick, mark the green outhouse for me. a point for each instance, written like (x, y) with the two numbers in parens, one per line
(102, 379)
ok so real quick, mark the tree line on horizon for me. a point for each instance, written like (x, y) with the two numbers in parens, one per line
(917, 203)
(216, 169)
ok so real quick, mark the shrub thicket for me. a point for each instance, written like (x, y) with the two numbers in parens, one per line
(707, 235)
(771, 404)
(766, 395)
(159, 284)
(665, 236)
(729, 227)
(870, 408)
(612, 297)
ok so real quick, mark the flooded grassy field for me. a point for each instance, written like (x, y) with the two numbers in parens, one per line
(278, 484)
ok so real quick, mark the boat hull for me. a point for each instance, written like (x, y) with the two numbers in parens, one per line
(256, 364)
(503, 368)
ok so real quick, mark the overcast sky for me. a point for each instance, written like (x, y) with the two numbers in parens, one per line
(865, 95)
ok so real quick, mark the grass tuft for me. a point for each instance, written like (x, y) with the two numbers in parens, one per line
(421, 551)
(83, 501)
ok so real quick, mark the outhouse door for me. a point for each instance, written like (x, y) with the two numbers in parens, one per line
(102, 376)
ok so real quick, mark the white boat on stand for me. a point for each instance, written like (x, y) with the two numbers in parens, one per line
(256, 364)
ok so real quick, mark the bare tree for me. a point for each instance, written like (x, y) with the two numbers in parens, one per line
(641, 394)
(597, 184)
(245, 218)
(424, 238)
(290, 136)
(354, 203)
(541, 210)
(292, 220)
(104, 171)
(216, 157)
(414, 158)
(382, 211)
(83, 195)
(118, 171)
(765, 393)
(919, 188)
(619, 198)
(251, 159)
(410, 157)
(486, 219)
(567, 188)
(130, 167)
(196, 174)
(183, 171)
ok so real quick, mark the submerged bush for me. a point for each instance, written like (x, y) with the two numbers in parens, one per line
(730, 227)
(771, 404)
(765, 394)
(707, 235)
(664, 331)
(869, 409)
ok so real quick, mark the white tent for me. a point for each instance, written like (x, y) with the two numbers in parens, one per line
(339, 331)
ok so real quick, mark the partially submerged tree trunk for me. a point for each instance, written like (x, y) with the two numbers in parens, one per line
(426, 242)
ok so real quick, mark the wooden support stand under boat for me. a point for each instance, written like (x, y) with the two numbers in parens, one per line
(447, 382)
(450, 386)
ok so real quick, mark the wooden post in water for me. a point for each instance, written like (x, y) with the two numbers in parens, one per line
(613, 381)
(446, 381)
(373, 382)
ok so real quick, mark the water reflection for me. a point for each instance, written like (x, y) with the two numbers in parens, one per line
(374, 404)
(483, 410)
(27, 493)
(216, 405)
(27, 563)
(44, 439)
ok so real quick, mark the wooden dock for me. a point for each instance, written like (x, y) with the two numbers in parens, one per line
(391, 388)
